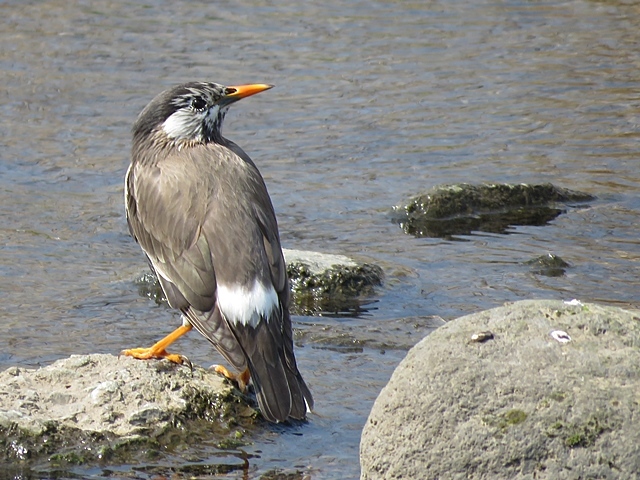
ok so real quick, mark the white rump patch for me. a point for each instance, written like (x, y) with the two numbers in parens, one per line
(240, 304)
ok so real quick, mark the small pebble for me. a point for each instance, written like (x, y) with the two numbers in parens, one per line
(481, 336)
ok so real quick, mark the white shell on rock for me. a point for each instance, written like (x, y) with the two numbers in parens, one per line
(561, 336)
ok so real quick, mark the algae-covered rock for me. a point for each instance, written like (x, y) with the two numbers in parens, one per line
(319, 283)
(89, 407)
(329, 283)
(460, 209)
(548, 265)
(552, 393)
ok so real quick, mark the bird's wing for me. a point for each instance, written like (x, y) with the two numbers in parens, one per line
(166, 219)
(280, 388)
(268, 345)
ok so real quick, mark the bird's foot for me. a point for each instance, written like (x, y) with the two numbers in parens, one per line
(242, 379)
(147, 353)
(158, 349)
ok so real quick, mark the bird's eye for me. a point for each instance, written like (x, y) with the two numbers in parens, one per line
(198, 104)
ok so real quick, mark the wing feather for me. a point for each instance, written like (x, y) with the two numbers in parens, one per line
(168, 227)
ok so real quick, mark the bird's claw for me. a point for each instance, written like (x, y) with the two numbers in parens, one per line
(147, 353)
(186, 362)
(241, 379)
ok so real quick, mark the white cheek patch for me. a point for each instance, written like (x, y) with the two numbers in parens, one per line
(183, 124)
(247, 306)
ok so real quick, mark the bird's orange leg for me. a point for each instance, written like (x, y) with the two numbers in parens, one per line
(158, 350)
(242, 379)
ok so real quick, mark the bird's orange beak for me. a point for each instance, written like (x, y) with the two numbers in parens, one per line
(237, 92)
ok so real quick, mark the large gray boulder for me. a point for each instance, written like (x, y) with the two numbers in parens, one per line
(534, 389)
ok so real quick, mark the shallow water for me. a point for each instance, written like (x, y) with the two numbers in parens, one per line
(374, 101)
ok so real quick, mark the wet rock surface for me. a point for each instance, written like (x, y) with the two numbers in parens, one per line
(329, 283)
(320, 282)
(534, 389)
(93, 407)
(448, 210)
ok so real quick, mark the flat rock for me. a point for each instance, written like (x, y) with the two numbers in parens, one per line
(530, 390)
(316, 261)
(103, 398)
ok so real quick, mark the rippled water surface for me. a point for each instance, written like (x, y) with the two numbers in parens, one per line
(374, 101)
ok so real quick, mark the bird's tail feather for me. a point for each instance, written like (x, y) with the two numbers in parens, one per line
(280, 389)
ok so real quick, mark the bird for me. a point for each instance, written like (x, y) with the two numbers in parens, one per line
(199, 208)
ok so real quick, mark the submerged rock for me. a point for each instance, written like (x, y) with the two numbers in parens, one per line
(448, 210)
(550, 392)
(355, 336)
(548, 265)
(319, 283)
(90, 407)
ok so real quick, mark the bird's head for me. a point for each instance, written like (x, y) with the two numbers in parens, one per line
(191, 112)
